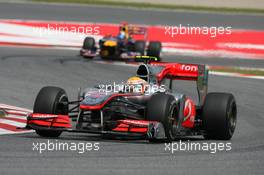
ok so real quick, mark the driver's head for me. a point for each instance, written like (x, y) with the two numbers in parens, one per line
(123, 31)
(121, 35)
(137, 85)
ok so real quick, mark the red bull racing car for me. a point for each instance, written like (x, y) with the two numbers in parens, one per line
(146, 107)
(122, 46)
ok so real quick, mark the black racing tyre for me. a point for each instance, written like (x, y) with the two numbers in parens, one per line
(163, 108)
(49, 101)
(89, 43)
(219, 115)
(154, 49)
(140, 47)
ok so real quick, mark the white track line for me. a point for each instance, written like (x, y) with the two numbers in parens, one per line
(9, 107)
(13, 123)
(235, 75)
(4, 131)
(14, 112)
(22, 114)
(17, 116)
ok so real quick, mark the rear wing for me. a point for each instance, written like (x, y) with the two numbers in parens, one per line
(137, 30)
(180, 71)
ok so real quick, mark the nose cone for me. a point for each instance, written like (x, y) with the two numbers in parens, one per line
(110, 43)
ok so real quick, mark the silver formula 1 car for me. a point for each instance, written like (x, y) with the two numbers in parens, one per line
(161, 114)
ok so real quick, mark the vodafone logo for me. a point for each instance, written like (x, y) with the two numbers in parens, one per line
(190, 68)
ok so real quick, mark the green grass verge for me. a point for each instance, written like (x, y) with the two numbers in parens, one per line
(239, 70)
(156, 6)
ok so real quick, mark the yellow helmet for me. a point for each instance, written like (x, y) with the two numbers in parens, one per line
(136, 80)
(137, 84)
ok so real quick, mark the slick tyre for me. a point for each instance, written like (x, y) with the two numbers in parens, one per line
(219, 115)
(88, 43)
(140, 47)
(51, 100)
(163, 108)
(154, 49)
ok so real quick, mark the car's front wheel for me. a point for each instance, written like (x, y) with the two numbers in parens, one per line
(88, 44)
(51, 100)
(163, 108)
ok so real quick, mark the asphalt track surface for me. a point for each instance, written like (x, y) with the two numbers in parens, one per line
(24, 71)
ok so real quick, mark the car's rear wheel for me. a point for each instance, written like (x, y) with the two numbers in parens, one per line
(154, 49)
(140, 47)
(163, 108)
(51, 100)
(219, 116)
(109, 53)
